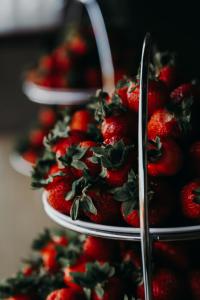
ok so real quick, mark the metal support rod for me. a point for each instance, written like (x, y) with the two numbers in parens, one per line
(102, 42)
(142, 166)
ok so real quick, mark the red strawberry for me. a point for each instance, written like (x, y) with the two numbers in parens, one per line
(60, 240)
(174, 253)
(163, 124)
(63, 144)
(190, 200)
(57, 196)
(93, 168)
(157, 96)
(183, 91)
(165, 158)
(49, 257)
(55, 178)
(161, 203)
(113, 140)
(100, 249)
(47, 117)
(118, 126)
(46, 63)
(113, 290)
(65, 294)
(168, 75)
(28, 271)
(36, 137)
(132, 256)
(194, 153)
(62, 59)
(194, 282)
(108, 210)
(122, 89)
(81, 120)
(68, 275)
(78, 45)
(31, 156)
(117, 178)
(165, 286)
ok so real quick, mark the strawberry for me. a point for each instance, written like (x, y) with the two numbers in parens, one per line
(85, 161)
(62, 145)
(119, 126)
(194, 282)
(49, 257)
(194, 153)
(183, 91)
(165, 286)
(57, 197)
(161, 198)
(108, 210)
(190, 200)
(65, 294)
(100, 249)
(168, 75)
(81, 120)
(47, 117)
(131, 255)
(68, 275)
(157, 96)
(62, 59)
(174, 253)
(78, 46)
(31, 156)
(36, 137)
(56, 175)
(117, 178)
(113, 290)
(122, 89)
(165, 157)
(163, 124)
(46, 63)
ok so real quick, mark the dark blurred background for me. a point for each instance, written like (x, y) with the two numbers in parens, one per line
(174, 26)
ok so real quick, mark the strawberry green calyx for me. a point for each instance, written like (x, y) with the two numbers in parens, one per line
(42, 240)
(94, 278)
(127, 194)
(73, 157)
(166, 58)
(154, 150)
(112, 156)
(196, 192)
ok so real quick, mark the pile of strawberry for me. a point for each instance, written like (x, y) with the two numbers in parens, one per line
(89, 168)
(72, 64)
(80, 268)
(30, 147)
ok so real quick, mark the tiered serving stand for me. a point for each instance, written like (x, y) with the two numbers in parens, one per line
(145, 235)
(72, 97)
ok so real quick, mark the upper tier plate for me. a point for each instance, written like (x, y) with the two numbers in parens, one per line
(49, 96)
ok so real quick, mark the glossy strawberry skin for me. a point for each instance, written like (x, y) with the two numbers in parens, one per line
(56, 197)
(54, 169)
(157, 96)
(63, 144)
(163, 124)
(190, 208)
(165, 286)
(118, 177)
(113, 290)
(81, 120)
(65, 294)
(31, 156)
(168, 75)
(100, 249)
(170, 161)
(119, 126)
(108, 210)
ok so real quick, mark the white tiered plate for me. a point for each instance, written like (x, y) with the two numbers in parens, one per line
(20, 165)
(49, 96)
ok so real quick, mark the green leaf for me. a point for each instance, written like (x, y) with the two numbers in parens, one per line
(80, 165)
(99, 291)
(75, 209)
(128, 207)
(88, 205)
